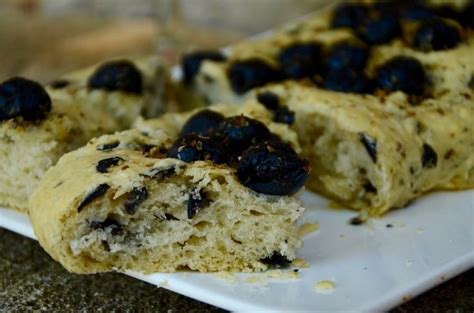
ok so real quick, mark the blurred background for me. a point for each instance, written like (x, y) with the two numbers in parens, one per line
(42, 39)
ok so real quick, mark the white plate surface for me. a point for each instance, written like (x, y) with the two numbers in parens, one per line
(374, 267)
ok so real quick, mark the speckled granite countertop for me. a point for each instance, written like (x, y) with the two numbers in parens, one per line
(31, 281)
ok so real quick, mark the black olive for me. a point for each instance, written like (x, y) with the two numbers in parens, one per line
(349, 15)
(346, 55)
(388, 6)
(368, 187)
(246, 75)
(429, 158)
(191, 62)
(448, 11)
(107, 146)
(160, 173)
(467, 15)
(146, 148)
(379, 28)
(272, 168)
(300, 60)
(96, 193)
(170, 217)
(104, 165)
(135, 198)
(276, 260)
(203, 123)
(402, 73)
(192, 147)
(347, 80)
(196, 201)
(282, 114)
(436, 35)
(269, 100)
(23, 97)
(120, 75)
(109, 223)
(370, 144)
(241, 132)
(417, 12)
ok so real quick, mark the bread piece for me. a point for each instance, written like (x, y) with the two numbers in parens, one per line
(123, 106)
(28, 149)
(330, 125)
(148, 213)
(375, 157)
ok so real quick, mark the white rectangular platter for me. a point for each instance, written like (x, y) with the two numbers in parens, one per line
(373, 267)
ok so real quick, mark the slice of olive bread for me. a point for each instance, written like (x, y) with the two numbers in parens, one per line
(374, 158)
(37, 126)
(145, 201)
(34, 133)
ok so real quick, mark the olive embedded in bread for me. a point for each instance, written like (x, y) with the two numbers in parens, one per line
(436, 35)
(191, 62)
(272, 168)
(346, 55)
(203, 123)
(241, 132)
(23, 97)
(108, 225)
(192, 147)
(282, 114)
(379, 28)
(104, 164)
(245, 75)
(349, 15)
(276, 260)
(120, 75)
(467, 15)
(269, 100)
(300, 60)
(347, 80)
(196, 201)
(416, 12)
(402, 73)
(134, 198)
(429, 157)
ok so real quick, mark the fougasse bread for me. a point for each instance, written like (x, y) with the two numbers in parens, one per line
(382, 95)
(176, 196)
(38, 125)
